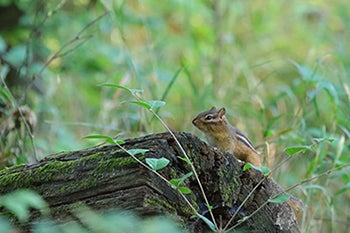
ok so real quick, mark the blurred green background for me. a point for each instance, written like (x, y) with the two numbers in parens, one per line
(281, 69)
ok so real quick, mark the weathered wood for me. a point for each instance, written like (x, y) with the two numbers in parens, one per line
(105, 177)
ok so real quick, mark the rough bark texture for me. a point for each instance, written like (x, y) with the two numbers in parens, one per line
(106, 177)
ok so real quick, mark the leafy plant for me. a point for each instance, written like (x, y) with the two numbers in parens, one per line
(157, 164)
(20, 202)
(283, 89)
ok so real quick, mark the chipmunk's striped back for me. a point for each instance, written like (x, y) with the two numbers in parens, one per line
(244, 139)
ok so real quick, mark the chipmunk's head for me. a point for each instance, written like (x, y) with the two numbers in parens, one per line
(211, 121)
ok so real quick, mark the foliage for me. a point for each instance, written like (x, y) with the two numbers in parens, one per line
(281, 67)
(113, 221)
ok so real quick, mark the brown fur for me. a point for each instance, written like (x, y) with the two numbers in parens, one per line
(221, 134)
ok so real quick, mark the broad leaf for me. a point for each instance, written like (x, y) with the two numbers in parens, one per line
(137, 151)
(177, 182)
(283, 197)
(131, 91)
(155, 103)
(157, 164)
(187, 161)
(142, 104)
(108, 139)
(20, 203)
(264, 170)
(208, 222)
(184, 190)
(245, 218)
(344, 189)
(326, 139)
(152, 104)
(295, 149)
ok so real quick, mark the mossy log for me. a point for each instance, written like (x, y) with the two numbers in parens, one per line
(105, 177)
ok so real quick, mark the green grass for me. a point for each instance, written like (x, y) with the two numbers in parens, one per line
(281, 69)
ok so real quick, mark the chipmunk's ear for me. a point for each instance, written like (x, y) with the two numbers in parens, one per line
(222, 112)
(212, 108)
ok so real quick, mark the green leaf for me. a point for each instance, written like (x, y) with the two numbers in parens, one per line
(283, 197)
(330, 89)
(120, 142)
(157, 164)
(108, 139)
(245, 218)
(4, 94)
(177, 182)
(155, 103)
(5, 225)
(187, 161)
(172, 81)
(137, 151)
(21, 201)
(152, 104)
(317, 187)
(306, 73)
(142, 104)
(16, 55)
(210, 207)
(131, 91)
(2, 45)
(184, 190)
(264, 170)
(326, 139)
(208, 222)
(344, 189)
(295, 149)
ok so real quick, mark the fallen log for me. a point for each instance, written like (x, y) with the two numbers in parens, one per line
(106, 177)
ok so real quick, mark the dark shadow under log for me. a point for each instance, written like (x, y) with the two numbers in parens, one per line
(105, 178)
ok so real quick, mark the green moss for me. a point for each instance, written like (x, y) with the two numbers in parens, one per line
(155, 201)
(8, 169)
(9, 179)
(82, 184)
(228, 187)
(172, 209)
(50, 170)
(101, 164)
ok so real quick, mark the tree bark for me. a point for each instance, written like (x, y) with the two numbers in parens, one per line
(105, 177)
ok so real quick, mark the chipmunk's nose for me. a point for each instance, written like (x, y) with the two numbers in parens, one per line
(194, 121)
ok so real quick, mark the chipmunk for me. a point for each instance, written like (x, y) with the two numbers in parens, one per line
(221, 134)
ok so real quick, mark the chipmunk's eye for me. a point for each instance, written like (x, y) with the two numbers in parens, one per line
(209, 117)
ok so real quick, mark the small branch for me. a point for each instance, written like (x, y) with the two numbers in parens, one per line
(253, 190)
(326, 173)
(243, 202)
(61, 52)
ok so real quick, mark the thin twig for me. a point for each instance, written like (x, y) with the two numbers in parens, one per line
(267, 175)
(326, 173)
(243, 202)
(253, 190)
(255, 187)
(61, 52)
